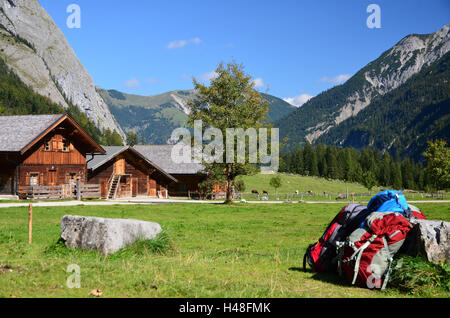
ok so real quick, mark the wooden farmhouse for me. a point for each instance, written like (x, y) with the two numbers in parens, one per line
(125, 172)
(52, 157)
(188, 175)
(44, 154)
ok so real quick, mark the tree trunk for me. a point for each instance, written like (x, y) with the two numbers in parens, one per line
(229, 198)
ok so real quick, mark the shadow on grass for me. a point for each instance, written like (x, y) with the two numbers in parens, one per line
(332, 278)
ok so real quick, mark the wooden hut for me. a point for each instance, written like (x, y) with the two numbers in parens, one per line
(38, 152)
(189, 175)
(124, 172)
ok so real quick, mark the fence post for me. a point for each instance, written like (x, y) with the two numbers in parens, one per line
(30, 223)
(78, 189)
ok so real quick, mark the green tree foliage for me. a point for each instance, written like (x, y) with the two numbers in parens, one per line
(132, 139)
(240, 185)
(368, 180)
(275, 182)
(112, 138)
(438, 163)
(352, 165)
(229, 102)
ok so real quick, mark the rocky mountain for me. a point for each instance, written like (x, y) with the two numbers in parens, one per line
(366, 89)
(155, 117)
(37, 51)
(402, 120)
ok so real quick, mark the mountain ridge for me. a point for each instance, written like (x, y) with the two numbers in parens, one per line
(390, 71)
(156, 116)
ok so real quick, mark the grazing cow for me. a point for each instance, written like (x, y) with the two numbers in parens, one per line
(265, 192)
(296, 192)
(310, 192)
(324, 194)
(255, 192)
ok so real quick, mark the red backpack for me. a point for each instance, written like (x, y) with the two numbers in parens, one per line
(365, 258)
(322, 255)
(416, 213)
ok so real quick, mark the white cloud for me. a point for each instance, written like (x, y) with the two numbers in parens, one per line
(299, 100)
(337, 79)
(258, 82)
(208, 76)
(178, 44)
(133, 83)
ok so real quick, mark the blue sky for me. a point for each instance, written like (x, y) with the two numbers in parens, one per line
(294, 49)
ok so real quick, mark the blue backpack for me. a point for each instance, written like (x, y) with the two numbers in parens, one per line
(389, 201)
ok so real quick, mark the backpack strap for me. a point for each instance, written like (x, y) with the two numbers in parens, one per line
(390, 260)
(358, 254)
(340, 255)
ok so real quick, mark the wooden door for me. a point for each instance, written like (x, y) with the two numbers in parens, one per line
(134, 187)
(119, 166)
(52, 177)
(152, 187)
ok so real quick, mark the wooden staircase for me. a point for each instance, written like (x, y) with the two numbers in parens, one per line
(114, 186)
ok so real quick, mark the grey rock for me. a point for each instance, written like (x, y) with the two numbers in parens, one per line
(430, 239)
(106, 236)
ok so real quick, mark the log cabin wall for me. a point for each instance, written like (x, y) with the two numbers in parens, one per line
(186, 183)
(55, 160)
(56, 150)
(141, 179)
(102, 176)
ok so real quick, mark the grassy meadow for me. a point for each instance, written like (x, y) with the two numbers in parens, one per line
(208, 250)
(290, 183)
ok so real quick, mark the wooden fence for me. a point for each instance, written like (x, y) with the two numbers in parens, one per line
(90, 191)
(42, 192)
(67, 191)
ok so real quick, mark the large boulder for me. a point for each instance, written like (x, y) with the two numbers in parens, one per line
(106, 236)
(430, 239)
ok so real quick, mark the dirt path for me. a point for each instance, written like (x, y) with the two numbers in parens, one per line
(171, 201)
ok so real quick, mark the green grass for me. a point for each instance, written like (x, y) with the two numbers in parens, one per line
(206, 251)
(290, 183)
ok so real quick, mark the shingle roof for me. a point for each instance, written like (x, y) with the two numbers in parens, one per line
(16, 132)
(162, 156)
(99, 160)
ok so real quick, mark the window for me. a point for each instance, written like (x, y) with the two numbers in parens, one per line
(34, 179)
(47, 145)
(72, 178)
(65, 145)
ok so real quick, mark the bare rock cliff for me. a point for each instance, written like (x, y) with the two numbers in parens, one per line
(38, 52)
